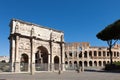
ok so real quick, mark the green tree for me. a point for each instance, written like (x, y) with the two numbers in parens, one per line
(111, 34)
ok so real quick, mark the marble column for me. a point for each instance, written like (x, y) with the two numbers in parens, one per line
(63, 58)
(51, 51)
(49, 61)
(17, 60)
(12, 53)
(51, 57)
(32, 69)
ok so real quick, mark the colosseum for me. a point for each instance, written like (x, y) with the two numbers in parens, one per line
(83, 55)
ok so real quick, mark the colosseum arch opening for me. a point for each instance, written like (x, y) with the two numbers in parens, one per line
(90, 63)
(80, 63)
(90, 54)
(95, 63)
(85, 63)
(85, 54)
(75, 64)
(80, 55)
(104, 63)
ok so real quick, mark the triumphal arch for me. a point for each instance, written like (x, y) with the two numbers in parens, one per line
(35, 48)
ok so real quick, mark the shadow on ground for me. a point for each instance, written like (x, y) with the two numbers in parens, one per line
(110, 71)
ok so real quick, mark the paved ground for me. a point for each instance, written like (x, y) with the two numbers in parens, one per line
(88, 75)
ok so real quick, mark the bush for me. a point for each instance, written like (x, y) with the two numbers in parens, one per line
(114, 67)
(117, 63)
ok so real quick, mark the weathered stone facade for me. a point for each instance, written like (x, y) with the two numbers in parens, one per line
(83, 55)
(33, 45)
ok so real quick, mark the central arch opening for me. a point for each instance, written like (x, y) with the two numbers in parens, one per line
(41, 59)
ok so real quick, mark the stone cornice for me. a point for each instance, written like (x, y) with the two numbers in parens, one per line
(32, 37)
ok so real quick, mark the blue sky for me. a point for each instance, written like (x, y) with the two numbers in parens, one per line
(80, 20)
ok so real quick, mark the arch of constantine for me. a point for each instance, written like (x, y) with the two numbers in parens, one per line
(35, 48)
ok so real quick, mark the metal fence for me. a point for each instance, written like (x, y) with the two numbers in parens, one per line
(77, 67)
(71, 67)
(41, 67)
(24, 67)
(45, 67)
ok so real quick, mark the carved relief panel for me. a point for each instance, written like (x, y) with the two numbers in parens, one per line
(25, 29)
(42, 33)
(56, 49)
(57, 36)
(24, 45)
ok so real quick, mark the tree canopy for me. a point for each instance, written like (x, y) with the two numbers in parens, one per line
(111, 32)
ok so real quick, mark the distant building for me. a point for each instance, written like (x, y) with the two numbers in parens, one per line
(83, 55)
(4, 59)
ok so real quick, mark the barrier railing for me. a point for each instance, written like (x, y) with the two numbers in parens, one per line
(25, 67)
